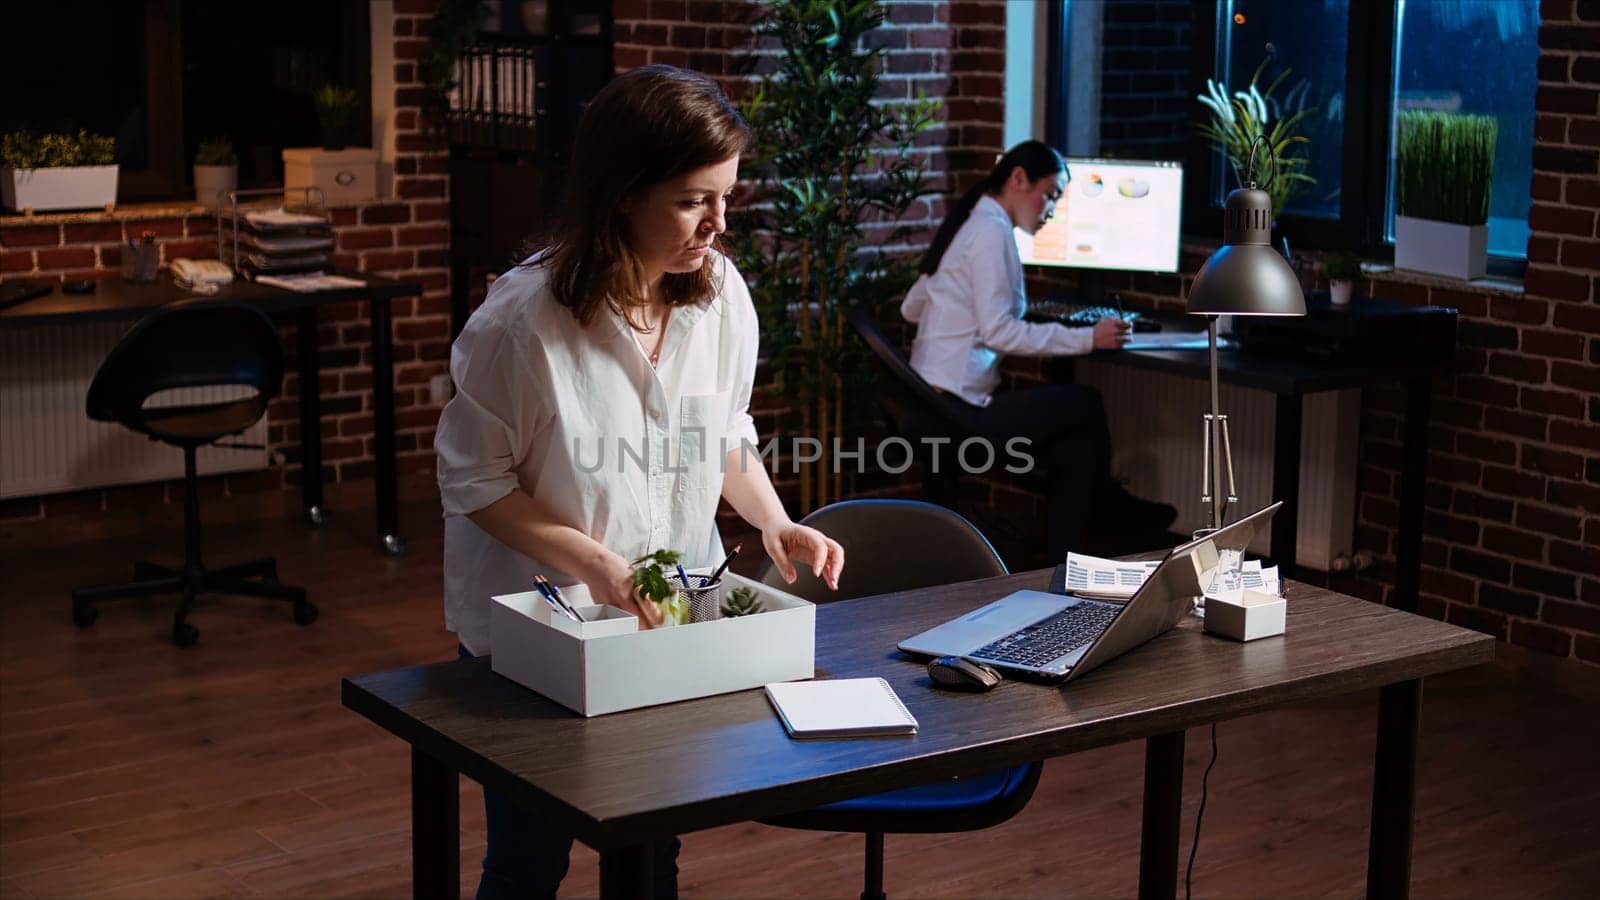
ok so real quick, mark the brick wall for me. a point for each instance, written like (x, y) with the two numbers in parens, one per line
(406, 236)
(1144, 98)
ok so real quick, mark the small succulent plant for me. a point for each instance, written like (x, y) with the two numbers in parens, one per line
(741, 602)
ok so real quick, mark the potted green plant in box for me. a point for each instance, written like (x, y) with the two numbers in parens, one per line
(335, 105)
(216, 171)
(1343, 271)
(57, 171)
(650, 580)
(1442, 184)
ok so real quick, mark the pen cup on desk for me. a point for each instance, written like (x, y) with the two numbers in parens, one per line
(703, 594)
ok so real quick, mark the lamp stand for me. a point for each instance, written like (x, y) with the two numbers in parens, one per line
(1216, 439)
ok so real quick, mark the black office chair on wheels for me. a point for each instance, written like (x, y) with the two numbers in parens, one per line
(902, 545)
(184, 346)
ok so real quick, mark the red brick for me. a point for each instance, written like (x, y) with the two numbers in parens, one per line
(421, 187)
(30, 236)
(1557, 463)
(1513, 542)
(1583, 192)
(416, 7)
(345, 216)
(1582, 317)
(87, 232)
(66, 258)
(1582, 376)
(1490, 623)
(1559, 220)
(386, 214)
(1575, 558)
(157, 227)
(1519, 368)
(365, 238)
(424, 235)
(1571, 615)
(1547, 582)
(1550, 128)
(1541, 637)
(1515, 603)
(1586, 648)
(1558, 344)
(1505, 421)
(431, 212)
(1556, 285)
(1546, 187)
(1548, 521)
(386, 261)
(1543, 249)
(16, 260)
(198, 249)
(1574, 495)
(1578, 254)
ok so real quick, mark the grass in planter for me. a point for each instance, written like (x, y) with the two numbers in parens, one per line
(1446, 166)
(217, 151)
(26, 150)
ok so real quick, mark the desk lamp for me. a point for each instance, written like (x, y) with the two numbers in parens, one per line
(1247, 277)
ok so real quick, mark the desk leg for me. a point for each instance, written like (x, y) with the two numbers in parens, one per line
(435, 828)
(383, 427)
(625, 873)
(1408, 538)
(310, 417)
(1394, 790)
(1163, 808)
(1286, 483)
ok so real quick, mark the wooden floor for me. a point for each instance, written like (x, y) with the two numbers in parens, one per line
(130, 768)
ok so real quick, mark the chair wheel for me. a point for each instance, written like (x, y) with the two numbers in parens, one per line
(83, 615)
(305, 612)
(184, 634)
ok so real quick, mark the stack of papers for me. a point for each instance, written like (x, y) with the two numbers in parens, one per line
(310, 281)
(1254, 578)
(1110, 579)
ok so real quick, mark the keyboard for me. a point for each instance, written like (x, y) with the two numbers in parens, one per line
(1076, 315)
(1052, 638)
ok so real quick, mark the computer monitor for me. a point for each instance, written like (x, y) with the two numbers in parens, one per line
(1116, 215)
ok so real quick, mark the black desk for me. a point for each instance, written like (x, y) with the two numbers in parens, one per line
(1290, 380)
(620, 781)
(115, 298)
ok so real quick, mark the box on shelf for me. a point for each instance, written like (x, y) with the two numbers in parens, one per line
(1245, 615)
(344, 176)
(594, 667)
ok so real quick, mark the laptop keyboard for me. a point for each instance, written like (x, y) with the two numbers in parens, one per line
(1053, 638)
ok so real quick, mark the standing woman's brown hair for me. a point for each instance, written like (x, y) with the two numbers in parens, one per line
(647, 125)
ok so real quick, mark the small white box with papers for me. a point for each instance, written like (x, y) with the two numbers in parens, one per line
(1245, 615)
(606, 664)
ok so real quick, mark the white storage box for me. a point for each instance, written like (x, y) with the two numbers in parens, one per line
(344, 176)
(1245, 615)
(609, 665)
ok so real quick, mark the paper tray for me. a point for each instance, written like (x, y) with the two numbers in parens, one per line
(608, 665)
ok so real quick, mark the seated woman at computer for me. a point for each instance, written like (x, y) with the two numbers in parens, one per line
(968, 307)
(628, 328)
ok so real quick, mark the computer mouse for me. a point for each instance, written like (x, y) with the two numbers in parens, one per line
(1145, 323)
(960, 674)
(82, 286)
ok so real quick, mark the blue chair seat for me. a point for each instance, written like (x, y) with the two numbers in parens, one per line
(956, 804)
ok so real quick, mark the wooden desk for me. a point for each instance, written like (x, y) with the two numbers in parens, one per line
(1290, 380)
(115, 298)
(619, 781)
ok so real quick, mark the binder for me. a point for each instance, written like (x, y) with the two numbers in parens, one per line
(840, 708)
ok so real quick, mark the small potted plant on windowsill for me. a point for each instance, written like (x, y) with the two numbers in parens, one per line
(1446, 170)
(1343, 271)
(216, 171)
(344, 175)
(57, 171)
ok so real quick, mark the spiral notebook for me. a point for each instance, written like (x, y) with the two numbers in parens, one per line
(840, 707)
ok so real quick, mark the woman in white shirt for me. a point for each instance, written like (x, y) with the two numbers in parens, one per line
(602, 403)
(968, 306)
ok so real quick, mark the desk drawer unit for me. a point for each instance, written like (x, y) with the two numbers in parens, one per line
(49, 445)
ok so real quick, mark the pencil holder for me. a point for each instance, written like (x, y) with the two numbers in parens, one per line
(703, 595)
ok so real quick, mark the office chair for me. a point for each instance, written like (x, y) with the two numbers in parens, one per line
(189, 345)
(914, 409)
(930, 545)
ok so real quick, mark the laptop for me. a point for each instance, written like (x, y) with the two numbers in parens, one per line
(1057, 637)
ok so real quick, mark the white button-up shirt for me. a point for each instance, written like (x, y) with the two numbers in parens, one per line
(969, 313)
(628, 454)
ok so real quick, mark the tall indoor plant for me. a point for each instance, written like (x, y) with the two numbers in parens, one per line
(57, 171)
(1442, 184)
(828, 165)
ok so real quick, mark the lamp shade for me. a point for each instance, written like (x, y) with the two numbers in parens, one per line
(1246, 277)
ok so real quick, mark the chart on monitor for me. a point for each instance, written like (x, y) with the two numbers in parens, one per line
(1116, 215)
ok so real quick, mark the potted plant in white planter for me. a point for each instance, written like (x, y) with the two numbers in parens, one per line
(216, 171)
(57, 171)
(1343, 271)
(1446, 168)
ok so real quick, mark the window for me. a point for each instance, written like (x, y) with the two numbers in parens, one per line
(161, 75)
(1354, 65)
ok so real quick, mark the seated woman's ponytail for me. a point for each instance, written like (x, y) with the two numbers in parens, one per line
(1036, 158)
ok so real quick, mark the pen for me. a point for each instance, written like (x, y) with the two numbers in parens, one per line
(553, 595)
(724, 567)
(684, 577)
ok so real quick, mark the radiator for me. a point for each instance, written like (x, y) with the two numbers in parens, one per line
(49, 445)
(1157, 439)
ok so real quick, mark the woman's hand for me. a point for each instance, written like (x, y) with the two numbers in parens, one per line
(1110, 334)
(789, 543)
(610, 581)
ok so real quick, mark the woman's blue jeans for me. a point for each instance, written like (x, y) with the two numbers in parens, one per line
(526, 858)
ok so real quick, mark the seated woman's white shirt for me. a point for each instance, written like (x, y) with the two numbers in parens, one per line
(628, 454)
(969, 312)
